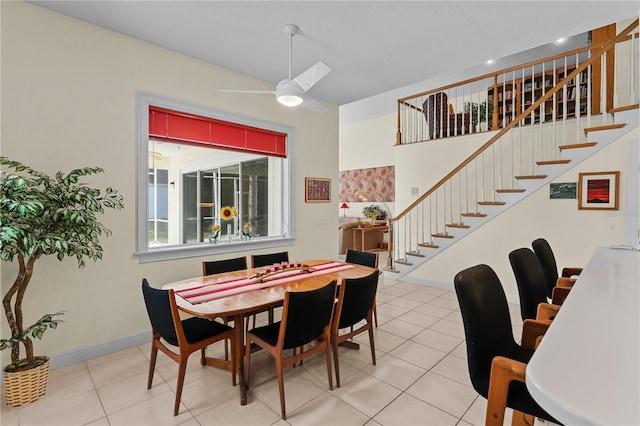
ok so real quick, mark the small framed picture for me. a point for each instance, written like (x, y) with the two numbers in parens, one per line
(598, 191)
(317, 190)
(563, 190)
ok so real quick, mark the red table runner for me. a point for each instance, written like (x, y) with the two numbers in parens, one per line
(232, 287)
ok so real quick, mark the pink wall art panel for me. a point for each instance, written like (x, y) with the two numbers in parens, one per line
(368, 185)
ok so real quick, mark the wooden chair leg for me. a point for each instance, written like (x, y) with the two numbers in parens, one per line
(226, 348)
(375, 313)
(497, 398)
(518, 418)
(152, 364)
(336, 362)
(247, 362)
(182, 368)
(329, 374)
(503, 371)
(281, 387)
(372, 344)
(233, 361)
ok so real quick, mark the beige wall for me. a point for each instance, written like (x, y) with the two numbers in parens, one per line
(69, 100)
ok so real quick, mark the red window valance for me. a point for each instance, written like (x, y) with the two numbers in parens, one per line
(178, 127)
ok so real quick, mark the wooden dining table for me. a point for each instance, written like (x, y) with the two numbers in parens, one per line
(239, 294)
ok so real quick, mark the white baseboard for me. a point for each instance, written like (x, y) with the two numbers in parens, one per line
(422, 281)
(78, 355)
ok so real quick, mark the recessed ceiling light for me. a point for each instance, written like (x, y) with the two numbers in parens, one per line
(560, 40)
(490, 61)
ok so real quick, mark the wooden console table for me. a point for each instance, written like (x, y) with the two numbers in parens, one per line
(369, 238)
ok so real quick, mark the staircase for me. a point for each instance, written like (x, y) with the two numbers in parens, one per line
(623, 120)
(546, 118)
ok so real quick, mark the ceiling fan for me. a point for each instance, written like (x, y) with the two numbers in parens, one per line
(292, 92)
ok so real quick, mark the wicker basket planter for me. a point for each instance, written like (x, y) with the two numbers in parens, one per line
(24, 387)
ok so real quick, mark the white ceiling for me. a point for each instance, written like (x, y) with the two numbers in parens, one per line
(372, 46)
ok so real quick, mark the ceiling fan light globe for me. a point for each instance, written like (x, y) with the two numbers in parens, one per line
(290, 100)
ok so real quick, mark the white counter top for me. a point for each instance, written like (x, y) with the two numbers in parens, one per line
(587, 368)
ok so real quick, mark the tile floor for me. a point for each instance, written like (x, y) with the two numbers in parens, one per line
(421, 378)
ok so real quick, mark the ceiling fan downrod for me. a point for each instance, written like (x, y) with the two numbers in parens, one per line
(291, 30)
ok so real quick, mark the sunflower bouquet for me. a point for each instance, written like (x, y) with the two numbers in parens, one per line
(228, 213)
(246, 231)
(215, 229)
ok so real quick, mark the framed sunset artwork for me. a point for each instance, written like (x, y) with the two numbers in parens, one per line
(598, 191)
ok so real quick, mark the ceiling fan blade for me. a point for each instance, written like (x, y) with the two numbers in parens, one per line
(247, 91)
(311, 76)
(313, 105)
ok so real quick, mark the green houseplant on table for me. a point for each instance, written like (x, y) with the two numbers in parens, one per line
(42, 215)
(374, 212)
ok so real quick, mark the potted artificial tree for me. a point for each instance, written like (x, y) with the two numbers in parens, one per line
(42, 215)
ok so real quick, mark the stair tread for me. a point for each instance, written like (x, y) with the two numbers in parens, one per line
(461, 225)
(510, 191)
(415, 253)
(531, 177)
(428, 245)
(552, 162)
(577, 145)
(491, 203)
(624, 108)
(606, 127)
(395, 271)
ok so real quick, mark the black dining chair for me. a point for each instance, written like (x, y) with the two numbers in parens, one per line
(365, 259)
(531, 286)
(258, 260)
(356, 301)
(497, 364)
(210, 267)
(362, 258)
(547, 260)
(188, 335)
(306, 318)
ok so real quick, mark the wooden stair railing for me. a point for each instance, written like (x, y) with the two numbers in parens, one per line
(496, 137)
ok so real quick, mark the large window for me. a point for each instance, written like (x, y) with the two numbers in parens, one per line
(189, 178)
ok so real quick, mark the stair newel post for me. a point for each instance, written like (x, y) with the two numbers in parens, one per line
(444, 208)
(475, 185)
(420, 225)
(403, 249)
(633, 99)
(494, 116)
(390, 245)
(494, 166)
(436, 213)
(410, 232)
(430, 219)
(398, 132)
(460, 221)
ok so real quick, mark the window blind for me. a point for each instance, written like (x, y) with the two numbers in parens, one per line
(178, 127)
